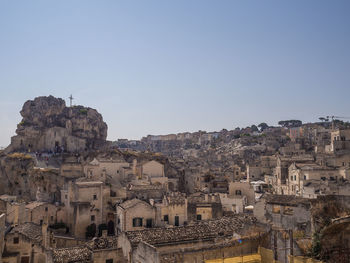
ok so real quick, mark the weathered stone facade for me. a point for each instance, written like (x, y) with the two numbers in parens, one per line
(48, 125)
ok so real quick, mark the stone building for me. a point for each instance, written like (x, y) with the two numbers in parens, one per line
(15, 211)
(26, 243)
(194, 243)
(203, 207)
(172, 210)
(71, 168)
(99, 250)
(285, 212)
(84, 205)
(241, 190)
(135, 214)
(300, 174)
(152, 171)
(237, 173)
(233, 203)
(338, 159)
(145, 191)
(281, 171)
(38, 212)
(254, 172)
(99, 169)
(340, 141)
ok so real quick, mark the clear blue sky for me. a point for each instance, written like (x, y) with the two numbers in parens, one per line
(158, 67)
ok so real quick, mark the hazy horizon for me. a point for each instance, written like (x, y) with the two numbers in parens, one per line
(176, 132)
(160, 67)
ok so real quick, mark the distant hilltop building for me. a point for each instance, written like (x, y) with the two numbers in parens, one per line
(48, 125)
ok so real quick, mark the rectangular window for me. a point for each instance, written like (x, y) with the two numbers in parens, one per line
(304, 177)
(149, 223)
(109, 260)
(276, 209)
(199, 217)
(137, 222)
(95, 197)
(46, 209)
(15, 240)
(92, 218)
(291, 177)
(166, 218)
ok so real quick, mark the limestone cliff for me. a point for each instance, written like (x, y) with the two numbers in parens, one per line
(15, 172)
(48, 125)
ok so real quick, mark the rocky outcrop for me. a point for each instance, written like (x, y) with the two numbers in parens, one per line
(48, 125)
(15, 170)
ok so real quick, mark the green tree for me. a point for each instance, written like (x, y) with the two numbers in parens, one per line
(290, 123)
(254, 128)
(263, 126)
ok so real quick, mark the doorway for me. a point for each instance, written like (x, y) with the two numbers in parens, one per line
(177, 221)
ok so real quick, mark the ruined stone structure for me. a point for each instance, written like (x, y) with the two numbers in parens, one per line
(48, 125)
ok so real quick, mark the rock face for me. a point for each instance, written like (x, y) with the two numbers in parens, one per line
(48, 125)
(15, 170)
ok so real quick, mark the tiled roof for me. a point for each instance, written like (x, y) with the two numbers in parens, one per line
(312, 166)
(30, 230)
(83, 254)
(176, 198)
(130, 203)
(202, 230)
(103, 243)
(286, 200)
(34, 204)
(73, 254)
(145, 187)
